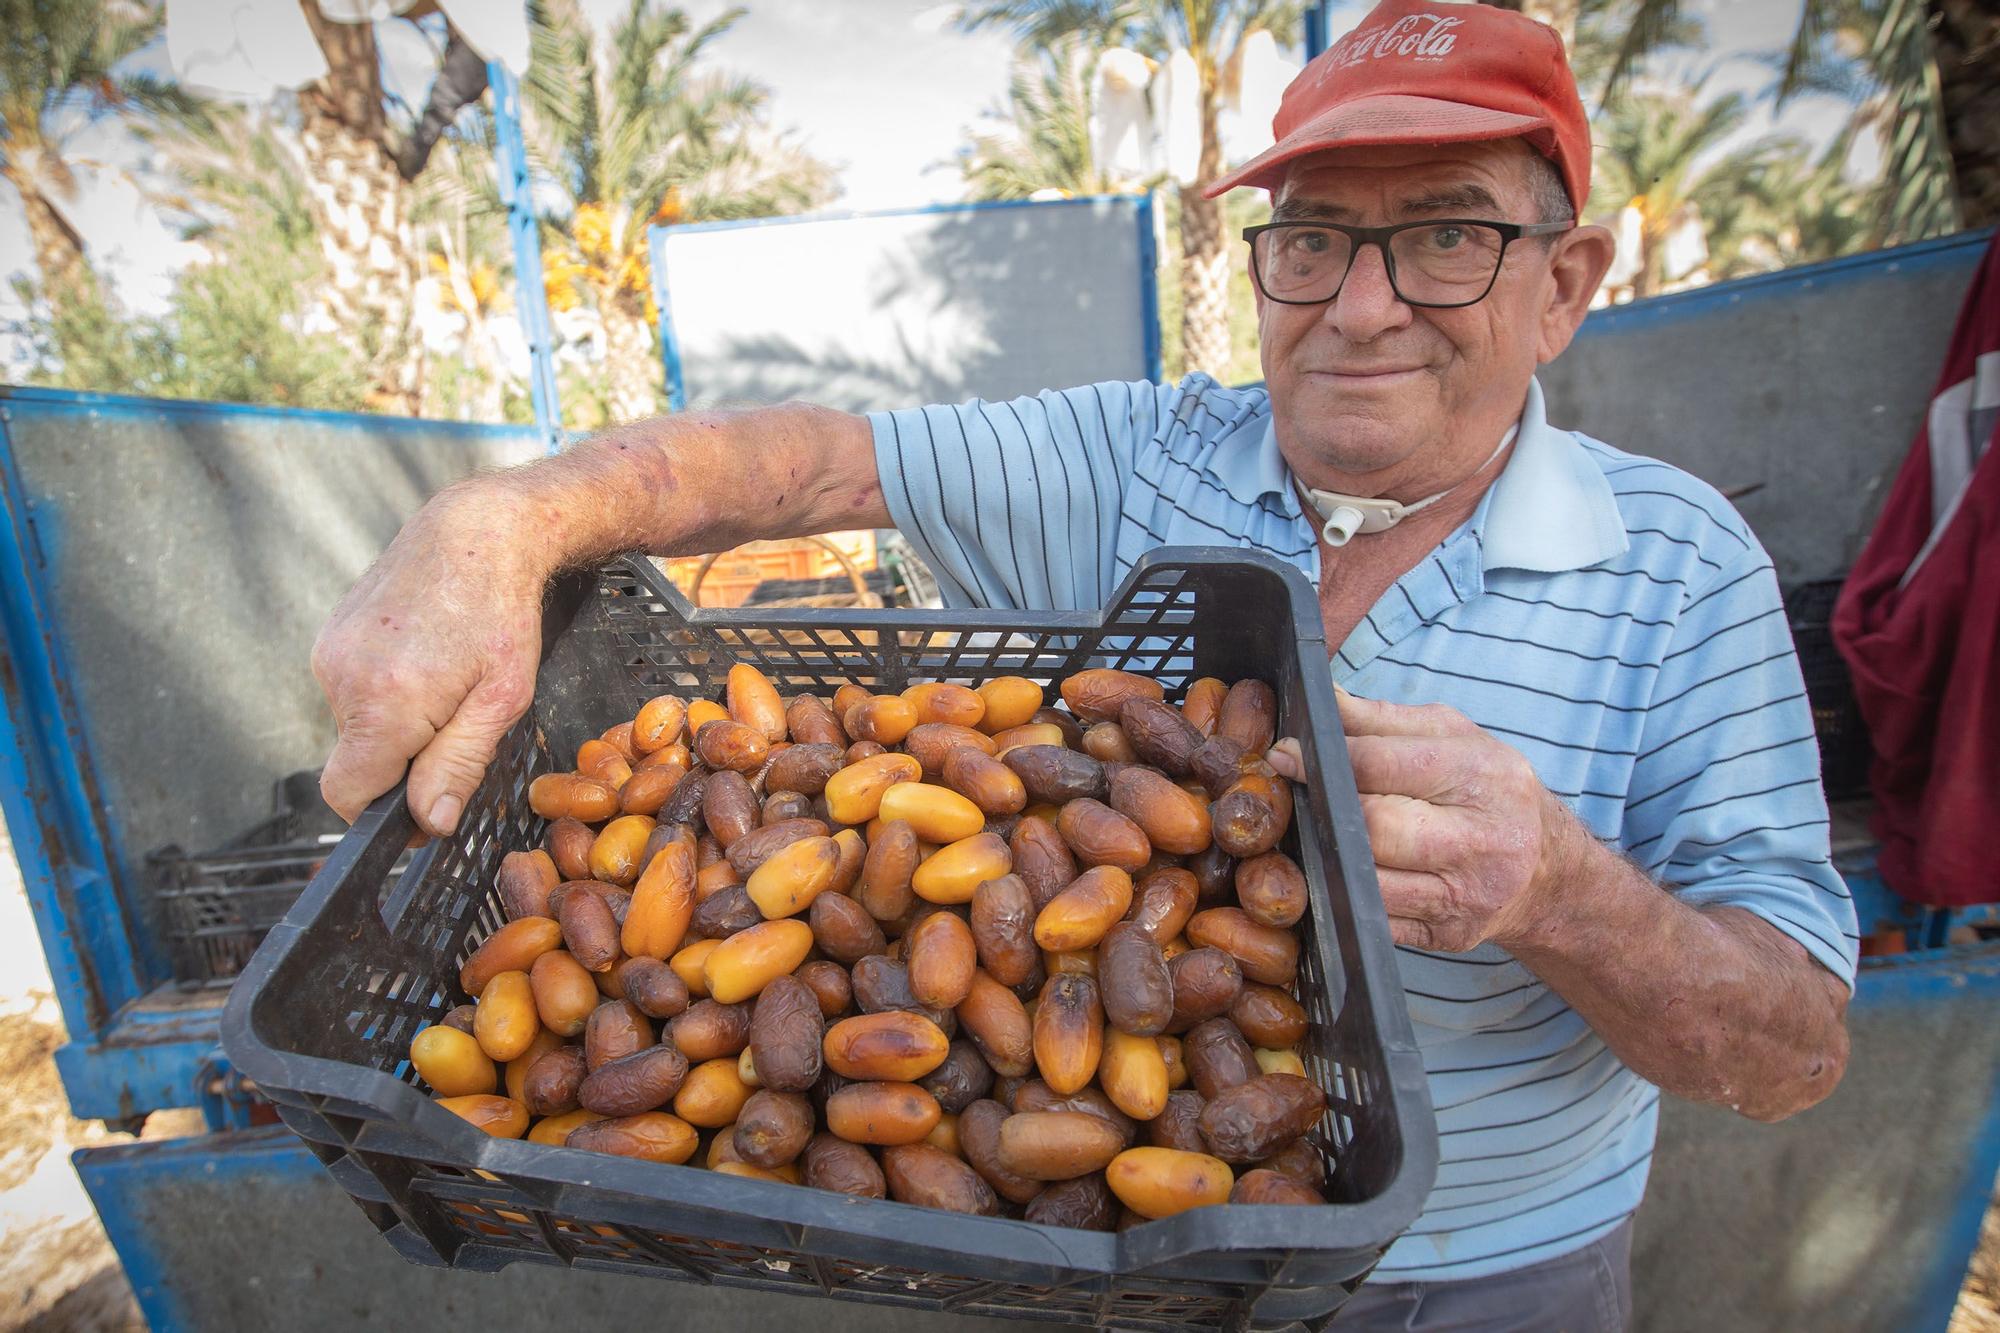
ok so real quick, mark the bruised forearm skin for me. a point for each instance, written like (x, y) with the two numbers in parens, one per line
(1712, 1004)
(680, 485)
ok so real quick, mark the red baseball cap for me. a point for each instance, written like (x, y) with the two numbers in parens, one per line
(1431, 73)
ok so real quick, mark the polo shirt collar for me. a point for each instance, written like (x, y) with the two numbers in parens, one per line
(1551, 508)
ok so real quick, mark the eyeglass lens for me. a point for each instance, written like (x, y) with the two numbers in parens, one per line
(1441, 263)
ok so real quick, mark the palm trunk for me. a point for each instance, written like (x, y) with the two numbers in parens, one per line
(1204, 257)
(58, 249)
(1965, 38)
(631, 362)
(363, 209)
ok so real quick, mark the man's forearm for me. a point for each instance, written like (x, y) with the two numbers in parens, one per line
(1715, 1005)
(684, 484)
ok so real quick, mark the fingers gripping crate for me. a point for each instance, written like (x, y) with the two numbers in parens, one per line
(323, 1016)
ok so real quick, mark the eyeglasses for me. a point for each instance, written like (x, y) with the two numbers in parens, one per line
(1439, 265)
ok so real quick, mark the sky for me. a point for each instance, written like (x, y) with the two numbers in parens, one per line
(883, 89)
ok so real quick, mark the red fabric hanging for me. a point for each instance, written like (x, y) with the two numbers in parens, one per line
(1919, 625)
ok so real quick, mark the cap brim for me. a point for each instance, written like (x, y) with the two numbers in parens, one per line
(1391, 118)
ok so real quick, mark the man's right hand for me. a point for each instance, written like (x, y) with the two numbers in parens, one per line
(431, 656)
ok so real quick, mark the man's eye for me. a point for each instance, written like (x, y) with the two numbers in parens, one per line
(1447, 238)
(1309, 242)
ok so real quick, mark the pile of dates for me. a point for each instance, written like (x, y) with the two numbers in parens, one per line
(950, 947)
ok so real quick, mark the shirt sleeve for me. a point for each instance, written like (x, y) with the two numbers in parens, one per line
(1725, 805)
(1016, 504)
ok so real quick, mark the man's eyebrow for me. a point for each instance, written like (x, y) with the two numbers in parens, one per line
(1466, 197)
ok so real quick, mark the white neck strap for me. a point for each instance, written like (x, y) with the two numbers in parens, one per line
(1347, 515)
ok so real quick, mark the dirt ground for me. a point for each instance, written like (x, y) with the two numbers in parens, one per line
(58, 1273)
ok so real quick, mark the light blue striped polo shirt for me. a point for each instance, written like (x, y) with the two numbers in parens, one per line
(1607, 614)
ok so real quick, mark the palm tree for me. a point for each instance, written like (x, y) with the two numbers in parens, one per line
(1772, 204)
(1933, 89)
(58, 72)
(639, 138)
(1212, 32)
(363, 203)
(1649, 146)
(1047, 144)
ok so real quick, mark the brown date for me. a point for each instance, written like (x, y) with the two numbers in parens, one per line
(708, 1030)
(687, 801)
(569, 843)
(1299, 1160)
(773, 1128)
(882, 1113)
(1249, 715)
(1202, 708)
(1172, 819)
(1003, 929)
(832, 1163)
(893, 1046)
(920, 1174)
(1271, 889)
(941, 958)
(643, 1081)
(780, 806)
(1134, 979)
(1261, 1186)
(1163, 902)
(1057, 1145)
(1107, 743)
(1054, 775)
(1100, 836)
(1085, 1203)
(932, 743)
(1079, 916)
(1068, 1033)
(524, 881)
(1179, 1126)
(885, 875)
(811, 722)
(730, 745)
(1042, 859)
(1218, 1058)
(1214, 874)
(760, 844)
(652, 1136)
(962, 1079)
(843, 929)
(1205, 983)
(724, 913)
(979, 1140)
(1035, 1095)
(1160, 736)
(553, 1080)
(984, 780)
(728, 805)
(616, 1029)
(1250, 818)
(830, 985)
(461, 1017)
(1097, 694)
(785, 1035)
(1269, 1017)
(1220, 761)
(589, 930)
(1266, 953)
(653, 987)
(1254, 1119)
(996, 1020)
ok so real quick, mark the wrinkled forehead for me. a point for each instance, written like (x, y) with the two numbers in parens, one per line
(1399, 177)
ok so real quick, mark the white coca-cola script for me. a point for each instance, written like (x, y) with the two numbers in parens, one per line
(1412, 37)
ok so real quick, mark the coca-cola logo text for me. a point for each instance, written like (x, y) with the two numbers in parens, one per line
(1412, 37)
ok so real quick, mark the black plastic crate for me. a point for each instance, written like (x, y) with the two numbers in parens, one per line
(219, 904)
(322, 1018)
(1837, 722)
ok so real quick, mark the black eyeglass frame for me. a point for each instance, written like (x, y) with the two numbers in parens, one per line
(1361, 237)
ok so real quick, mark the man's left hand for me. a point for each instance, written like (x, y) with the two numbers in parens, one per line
(1469, 845)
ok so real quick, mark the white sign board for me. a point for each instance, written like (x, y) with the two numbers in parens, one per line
(881, 310)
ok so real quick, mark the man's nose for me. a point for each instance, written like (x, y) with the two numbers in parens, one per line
(1367, 305)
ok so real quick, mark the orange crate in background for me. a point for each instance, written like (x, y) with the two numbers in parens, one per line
(733, 577)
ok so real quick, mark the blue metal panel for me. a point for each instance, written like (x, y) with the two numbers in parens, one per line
(18, 399)
(1946, 251)
(670, 341)
(1926, 978)
(1149, 291)
(132, 1186)
(531, 299)
(48, 788)
(978, 206)
(1317, 18)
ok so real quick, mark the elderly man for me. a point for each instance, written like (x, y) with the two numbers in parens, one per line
(1587, 762)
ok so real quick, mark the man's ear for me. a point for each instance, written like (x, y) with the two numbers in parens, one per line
(1582, 258)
